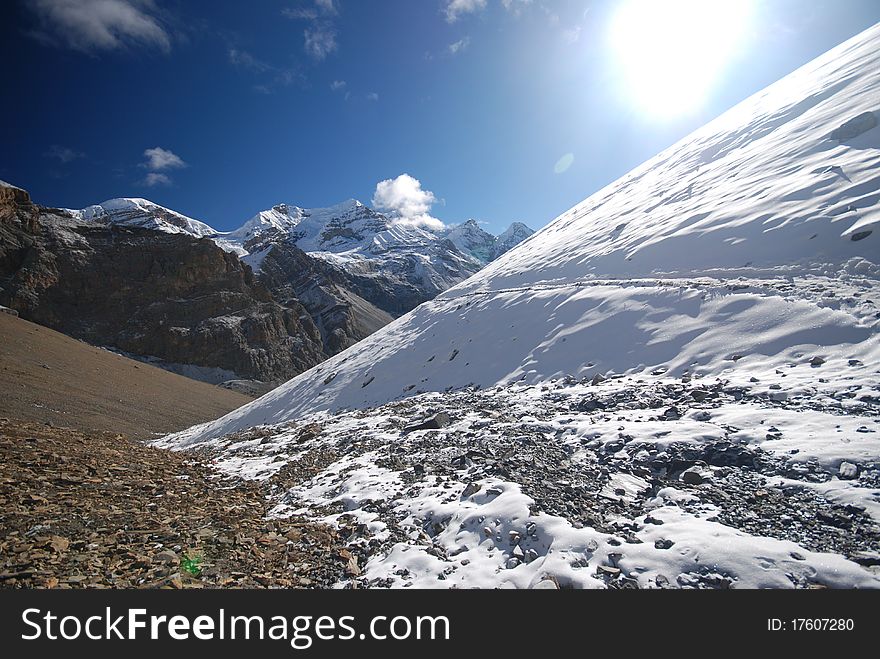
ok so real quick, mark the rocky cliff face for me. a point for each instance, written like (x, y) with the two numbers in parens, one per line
(341, 315)
(170, 296)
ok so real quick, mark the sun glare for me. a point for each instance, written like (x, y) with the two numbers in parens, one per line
(672, 52)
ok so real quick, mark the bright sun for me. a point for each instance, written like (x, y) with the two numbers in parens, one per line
(672, 52)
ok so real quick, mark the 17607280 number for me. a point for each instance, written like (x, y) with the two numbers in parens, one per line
(810, 625)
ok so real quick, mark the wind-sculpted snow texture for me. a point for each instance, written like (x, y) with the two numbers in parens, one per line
(745, 256)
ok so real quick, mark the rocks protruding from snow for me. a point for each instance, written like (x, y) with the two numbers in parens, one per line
(848, 471)
(854, 127)
(693, 476)
(144, 214)
(439, 420)
(452, 506)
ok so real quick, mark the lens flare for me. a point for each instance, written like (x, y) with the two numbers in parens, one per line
(671, 53)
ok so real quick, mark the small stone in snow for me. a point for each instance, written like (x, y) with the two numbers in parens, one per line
(693, 476)
(816, 361)
(471, 489)
(512, 563)
(607, 570)
(545, 584)
(663, 544)
(866, 558)
(848, 471)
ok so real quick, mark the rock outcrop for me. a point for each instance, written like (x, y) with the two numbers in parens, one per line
(169, 296)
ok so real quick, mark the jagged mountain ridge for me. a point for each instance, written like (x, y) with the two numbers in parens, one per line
(392, 264)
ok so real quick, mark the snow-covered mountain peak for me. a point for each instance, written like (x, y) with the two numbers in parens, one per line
(143, 213)
(471, 239)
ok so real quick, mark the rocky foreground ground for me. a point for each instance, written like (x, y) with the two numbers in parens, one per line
(625, 482)
(97, 510)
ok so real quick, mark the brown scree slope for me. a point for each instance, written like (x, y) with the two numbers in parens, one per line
(48, 377)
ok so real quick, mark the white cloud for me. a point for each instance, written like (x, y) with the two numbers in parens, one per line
(320, 41)
(63, 154)
(373, 96)
(459, 46)
(96, 25)
(456, 8)
(159, 159)
(327, 6)
(405, 202)
(154, 178)
(337, 85)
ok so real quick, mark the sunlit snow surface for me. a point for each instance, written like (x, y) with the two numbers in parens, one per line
(744, 252)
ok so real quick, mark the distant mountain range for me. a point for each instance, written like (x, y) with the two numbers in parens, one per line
(266, 301)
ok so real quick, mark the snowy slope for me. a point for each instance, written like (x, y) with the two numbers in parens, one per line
(753, 237)
(674, 384)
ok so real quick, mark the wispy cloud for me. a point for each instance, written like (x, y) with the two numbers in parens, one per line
(459, 46)
(153, 179)
(92, 26)
(320, 37)
(320, 41)
(337, 85)
(572, 35)
(63, 154)
(244, 60)
(455, 9)
(515, 6)
(327, 6)
(269, 76)
(405, 202)
(373, 96)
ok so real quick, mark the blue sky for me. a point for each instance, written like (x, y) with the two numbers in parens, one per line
(498, 110)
